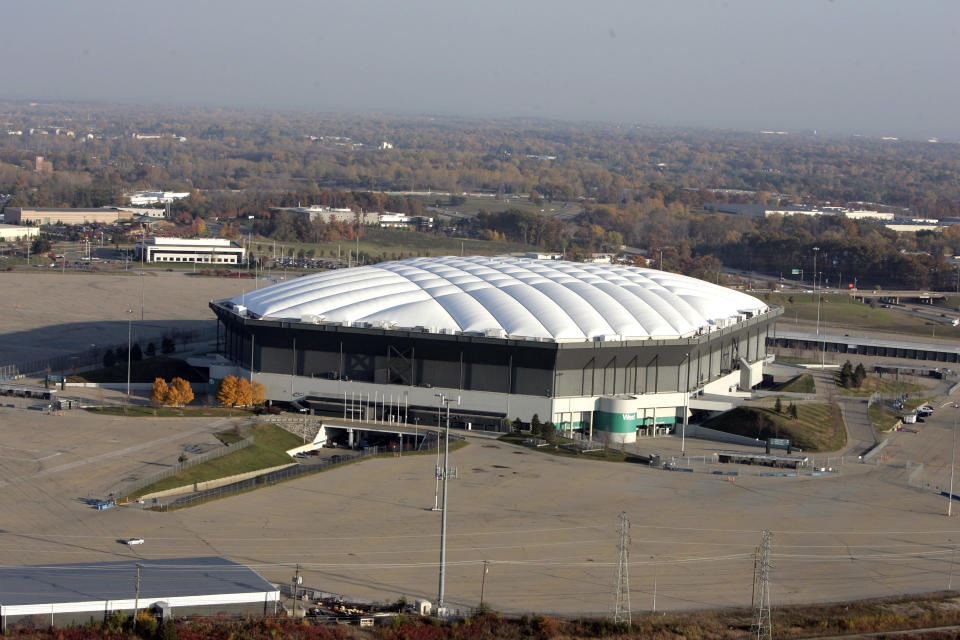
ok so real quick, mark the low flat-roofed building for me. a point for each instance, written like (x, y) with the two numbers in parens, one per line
(43, 596)
(103, 215)
(201, 250)
(138, 198)
(13, 232)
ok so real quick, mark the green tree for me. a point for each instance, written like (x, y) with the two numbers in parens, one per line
(793, 411)
(778, 405)
(846, 374)
(40, 244)
(535, 425)
(859, 375)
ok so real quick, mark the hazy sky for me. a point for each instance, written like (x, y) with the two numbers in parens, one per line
(889, 67)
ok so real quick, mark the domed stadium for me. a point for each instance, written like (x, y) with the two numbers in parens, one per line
(591, 347)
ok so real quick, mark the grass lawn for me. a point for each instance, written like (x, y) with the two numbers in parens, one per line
(882, 418)
(146, 370)
(390, 244)
(171, 412)
(797, 384)
(818, 427)
(270, 443)
(883, 386)
(844, 311)
(608, 455)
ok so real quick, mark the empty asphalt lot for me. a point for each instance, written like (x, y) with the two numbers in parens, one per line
(545, 524)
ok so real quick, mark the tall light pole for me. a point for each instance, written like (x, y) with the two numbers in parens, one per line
(816, 250)
(953, 461)
(443, 517)
(686, 398)
(129, 334)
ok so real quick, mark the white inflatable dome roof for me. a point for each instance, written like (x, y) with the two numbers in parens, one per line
(507, 297)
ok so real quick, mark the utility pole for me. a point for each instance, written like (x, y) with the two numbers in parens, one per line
(953, 463)
(136, 601)
(483, 580)
(296, 589)
(621, 603)
(762, 628)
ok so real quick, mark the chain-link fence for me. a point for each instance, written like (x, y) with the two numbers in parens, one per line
(128, 489)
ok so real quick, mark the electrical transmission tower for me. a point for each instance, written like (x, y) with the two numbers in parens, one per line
(621, 605)
(762, 628)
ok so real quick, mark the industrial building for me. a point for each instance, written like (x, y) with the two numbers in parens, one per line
(140, 198)
(43, 596)
(102, 215)
(603, 349)
(10, 232)
(218, 251)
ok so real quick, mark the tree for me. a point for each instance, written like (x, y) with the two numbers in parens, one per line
(846, 374)
(258, 394)
(548, 431)
(778, 405)
(859, 375)
(159, 393)
(151, 350)
(167, 345)
(535, 425)
(136, 353)
(109, 359)
(244, 392)
(40, 244)
(227, 391)
(180, 392)
(793, 411)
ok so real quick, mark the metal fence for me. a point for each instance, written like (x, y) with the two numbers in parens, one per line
(280, 475)
(128, 489)
(266, 479)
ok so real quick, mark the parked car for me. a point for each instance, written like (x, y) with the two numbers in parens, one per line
(910, 418)
(133, 541)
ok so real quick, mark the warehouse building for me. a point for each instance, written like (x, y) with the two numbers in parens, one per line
(597, 348)
(102, 215)
(219, 251)
(10, 232)
(69, 594)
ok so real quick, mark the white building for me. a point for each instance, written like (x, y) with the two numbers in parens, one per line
(10, 232)
(390, 220)
(138, 198)
(218, 251)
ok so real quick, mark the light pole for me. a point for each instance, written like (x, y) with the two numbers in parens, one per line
(816, 250)
(129, 334)
(686, 397)
(953, 460)
(443, 516)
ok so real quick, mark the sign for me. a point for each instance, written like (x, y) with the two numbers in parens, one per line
(795, 272)
(779, 442)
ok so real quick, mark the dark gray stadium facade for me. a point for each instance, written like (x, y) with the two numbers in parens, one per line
(324, 361)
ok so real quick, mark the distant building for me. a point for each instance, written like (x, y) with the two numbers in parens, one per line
(331, 214)
(403, 221)
(762, 211)
(219, 251)
(42, 166)
(154, 197)
(26, 215)
(10, 232)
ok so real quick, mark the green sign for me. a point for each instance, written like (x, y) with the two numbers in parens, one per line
(795, 272)
(779, 442)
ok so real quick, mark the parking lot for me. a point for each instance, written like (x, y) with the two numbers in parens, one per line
(545, 524)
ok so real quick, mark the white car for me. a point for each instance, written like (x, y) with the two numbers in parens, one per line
(133, 541)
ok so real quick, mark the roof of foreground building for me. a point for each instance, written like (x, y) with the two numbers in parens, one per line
(507, 297)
